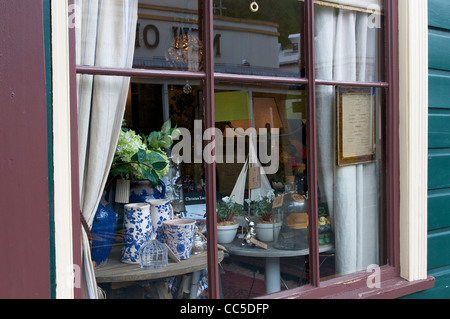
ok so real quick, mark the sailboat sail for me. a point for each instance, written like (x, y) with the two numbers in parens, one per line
(237, 195)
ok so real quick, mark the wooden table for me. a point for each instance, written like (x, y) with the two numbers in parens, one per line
(116, 271)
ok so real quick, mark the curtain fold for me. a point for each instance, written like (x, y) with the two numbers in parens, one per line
(346, 50)
(105, 39)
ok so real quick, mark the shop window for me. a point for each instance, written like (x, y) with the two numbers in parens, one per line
(300, 95)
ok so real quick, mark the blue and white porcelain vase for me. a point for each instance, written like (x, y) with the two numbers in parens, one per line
(137, 227)
(179, 236)
(103, 232)
(141, 191)
(160, 211)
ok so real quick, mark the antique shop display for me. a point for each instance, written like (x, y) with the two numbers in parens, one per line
(292, 210)
(265, 220)
(227, 211)
(160, 211)
(137, 225)
(266, 231)
(142, 191)
(174, 187)
(153, 255)
(199, 242)
(103, 232)
(142, 159)
(179, 236)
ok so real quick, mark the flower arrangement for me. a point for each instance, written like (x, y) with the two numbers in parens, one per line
(140, 157)
(227, 210)
(262, 207)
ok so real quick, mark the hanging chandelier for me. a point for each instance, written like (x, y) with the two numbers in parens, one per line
(185, 52)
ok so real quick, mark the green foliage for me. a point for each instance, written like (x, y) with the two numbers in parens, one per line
(160, 140)
(227, 209)
(140, 157)
(262, 207)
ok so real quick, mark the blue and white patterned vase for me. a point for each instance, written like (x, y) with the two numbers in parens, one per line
(160, 210)
(141, 191)
(103, 232)
(179, 236)
(137, 227)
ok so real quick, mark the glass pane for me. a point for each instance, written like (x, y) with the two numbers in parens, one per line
(154, 154)
(168, 35)
(348, 39)
(350, 165)
(263, 37)
(165, 36)
(261, 173)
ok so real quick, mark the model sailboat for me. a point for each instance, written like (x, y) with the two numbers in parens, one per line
(259, 184)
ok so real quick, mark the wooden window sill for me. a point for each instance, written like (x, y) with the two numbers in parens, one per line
(355, 286)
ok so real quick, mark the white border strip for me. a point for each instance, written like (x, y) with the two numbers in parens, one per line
(413, 53)
(61, 151)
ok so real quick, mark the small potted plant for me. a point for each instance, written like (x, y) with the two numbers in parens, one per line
(265, 221)
(227, 210)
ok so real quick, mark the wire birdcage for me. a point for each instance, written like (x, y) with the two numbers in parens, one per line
(153, 255)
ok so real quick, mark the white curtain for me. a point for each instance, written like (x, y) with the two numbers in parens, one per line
(105, 37)
(346, 50)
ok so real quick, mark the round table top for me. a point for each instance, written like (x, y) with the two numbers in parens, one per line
(235, 248)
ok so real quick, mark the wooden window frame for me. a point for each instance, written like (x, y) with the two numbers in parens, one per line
(351, 286)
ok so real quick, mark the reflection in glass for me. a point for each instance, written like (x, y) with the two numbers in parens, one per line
(168, 36)
(266, 41)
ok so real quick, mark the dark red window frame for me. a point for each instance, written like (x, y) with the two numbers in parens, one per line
(351, 286)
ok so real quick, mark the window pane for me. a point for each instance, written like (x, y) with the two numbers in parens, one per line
(264, 37)
(266, 176)
(168, 36)
(348, 39)
(180, 184)
(350, 177)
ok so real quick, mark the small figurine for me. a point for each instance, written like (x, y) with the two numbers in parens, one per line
(250, 234)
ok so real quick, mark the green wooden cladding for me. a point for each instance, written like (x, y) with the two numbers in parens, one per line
(439, 150)
(439, 13)
(438, 208)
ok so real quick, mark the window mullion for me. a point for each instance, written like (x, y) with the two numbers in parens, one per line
(392, 142)
(312, 145)
(210, 168)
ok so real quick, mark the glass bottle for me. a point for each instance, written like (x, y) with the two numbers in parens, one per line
(174, 187)
(199, 243)
(291, 209)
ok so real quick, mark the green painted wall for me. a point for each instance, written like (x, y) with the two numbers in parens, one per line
(439, 150)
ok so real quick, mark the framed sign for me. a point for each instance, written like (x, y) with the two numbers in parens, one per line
(355, 109)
